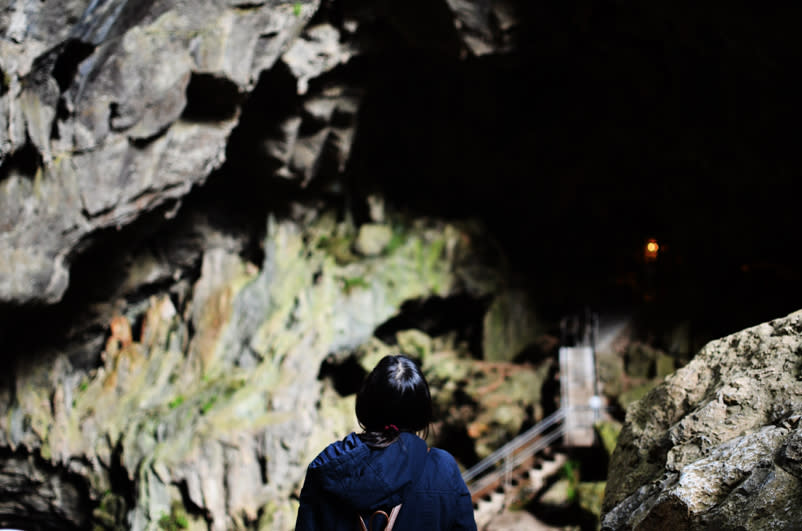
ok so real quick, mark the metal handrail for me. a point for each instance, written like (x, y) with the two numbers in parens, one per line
(516, 460)
(522, 447)
(513, 445)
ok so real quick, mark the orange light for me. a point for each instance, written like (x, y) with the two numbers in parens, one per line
(651, 250)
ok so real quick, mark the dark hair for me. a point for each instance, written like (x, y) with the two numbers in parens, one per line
(394, 398)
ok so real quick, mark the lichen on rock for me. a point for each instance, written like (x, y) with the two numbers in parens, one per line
(695, 451)
(185, 399)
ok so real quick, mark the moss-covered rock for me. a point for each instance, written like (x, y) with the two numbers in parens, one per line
(415, 344)
(490, 401)
(608, 430)
(509, 326)
(372, 239)
(222, 397)
(590, 496)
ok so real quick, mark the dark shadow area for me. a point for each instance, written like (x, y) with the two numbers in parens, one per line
(210, 99)
(47, 498)
(435, 316)
(610, 125)
(66, 66)
(76, 322)
(3, 83)
(24, 161)
(346, 377)
(458, 443)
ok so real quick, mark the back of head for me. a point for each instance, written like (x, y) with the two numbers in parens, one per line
(394, 398)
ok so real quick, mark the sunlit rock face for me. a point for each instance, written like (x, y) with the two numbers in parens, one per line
(175, 358)
(717, 445)
(207, 407)
(112, 109)
(181, 248)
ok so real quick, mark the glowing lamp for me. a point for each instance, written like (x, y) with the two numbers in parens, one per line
(651, 250)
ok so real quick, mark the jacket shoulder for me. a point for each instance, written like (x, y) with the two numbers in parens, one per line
(441, 473)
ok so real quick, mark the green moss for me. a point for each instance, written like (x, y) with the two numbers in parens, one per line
(206, 406)
(339, 247)
(591, 495)
(296, 9)
(110, 513)
(434, 253)
(45, 451)
(351, 283)
(415, 343)
(398, 239)
(608, 431)
(666, 364)
(173, 522)
(636, 393)
(175, 402)
(570, 472)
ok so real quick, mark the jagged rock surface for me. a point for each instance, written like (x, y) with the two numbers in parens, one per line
(113, 109)
(716, 446)
(210, 413)
(122, 109)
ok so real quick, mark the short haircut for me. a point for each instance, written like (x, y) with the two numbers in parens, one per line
(394, 395)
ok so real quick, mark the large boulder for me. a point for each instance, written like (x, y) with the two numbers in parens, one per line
(718, 445)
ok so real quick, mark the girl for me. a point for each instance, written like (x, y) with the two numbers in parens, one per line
(386, 477)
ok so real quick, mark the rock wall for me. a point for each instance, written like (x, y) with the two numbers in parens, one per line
(208, 407)
(137, 325)
(112, 109)
(182, 381)
(101, 121)
(717, 445)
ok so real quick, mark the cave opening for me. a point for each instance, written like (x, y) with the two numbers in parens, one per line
(572, 169)
(346, 376)
(68, 61)
(435, 316)
(210, 99)
(24, 162)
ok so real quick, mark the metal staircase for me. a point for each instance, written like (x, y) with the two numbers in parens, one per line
(494, 481)
(498, 468)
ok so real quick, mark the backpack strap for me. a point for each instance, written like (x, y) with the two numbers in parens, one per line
(390, 519)
(393, 516)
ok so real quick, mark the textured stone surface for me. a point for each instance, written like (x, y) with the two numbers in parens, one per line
(215, 409)
(716, 445)
(114, 109)
(99, 124)
(509, 327)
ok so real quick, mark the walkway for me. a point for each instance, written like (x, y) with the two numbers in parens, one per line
(526, 461)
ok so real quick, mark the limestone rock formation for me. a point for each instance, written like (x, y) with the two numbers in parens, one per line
(717, 445)
(123, 108)
(109, 110)
(208, 411)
